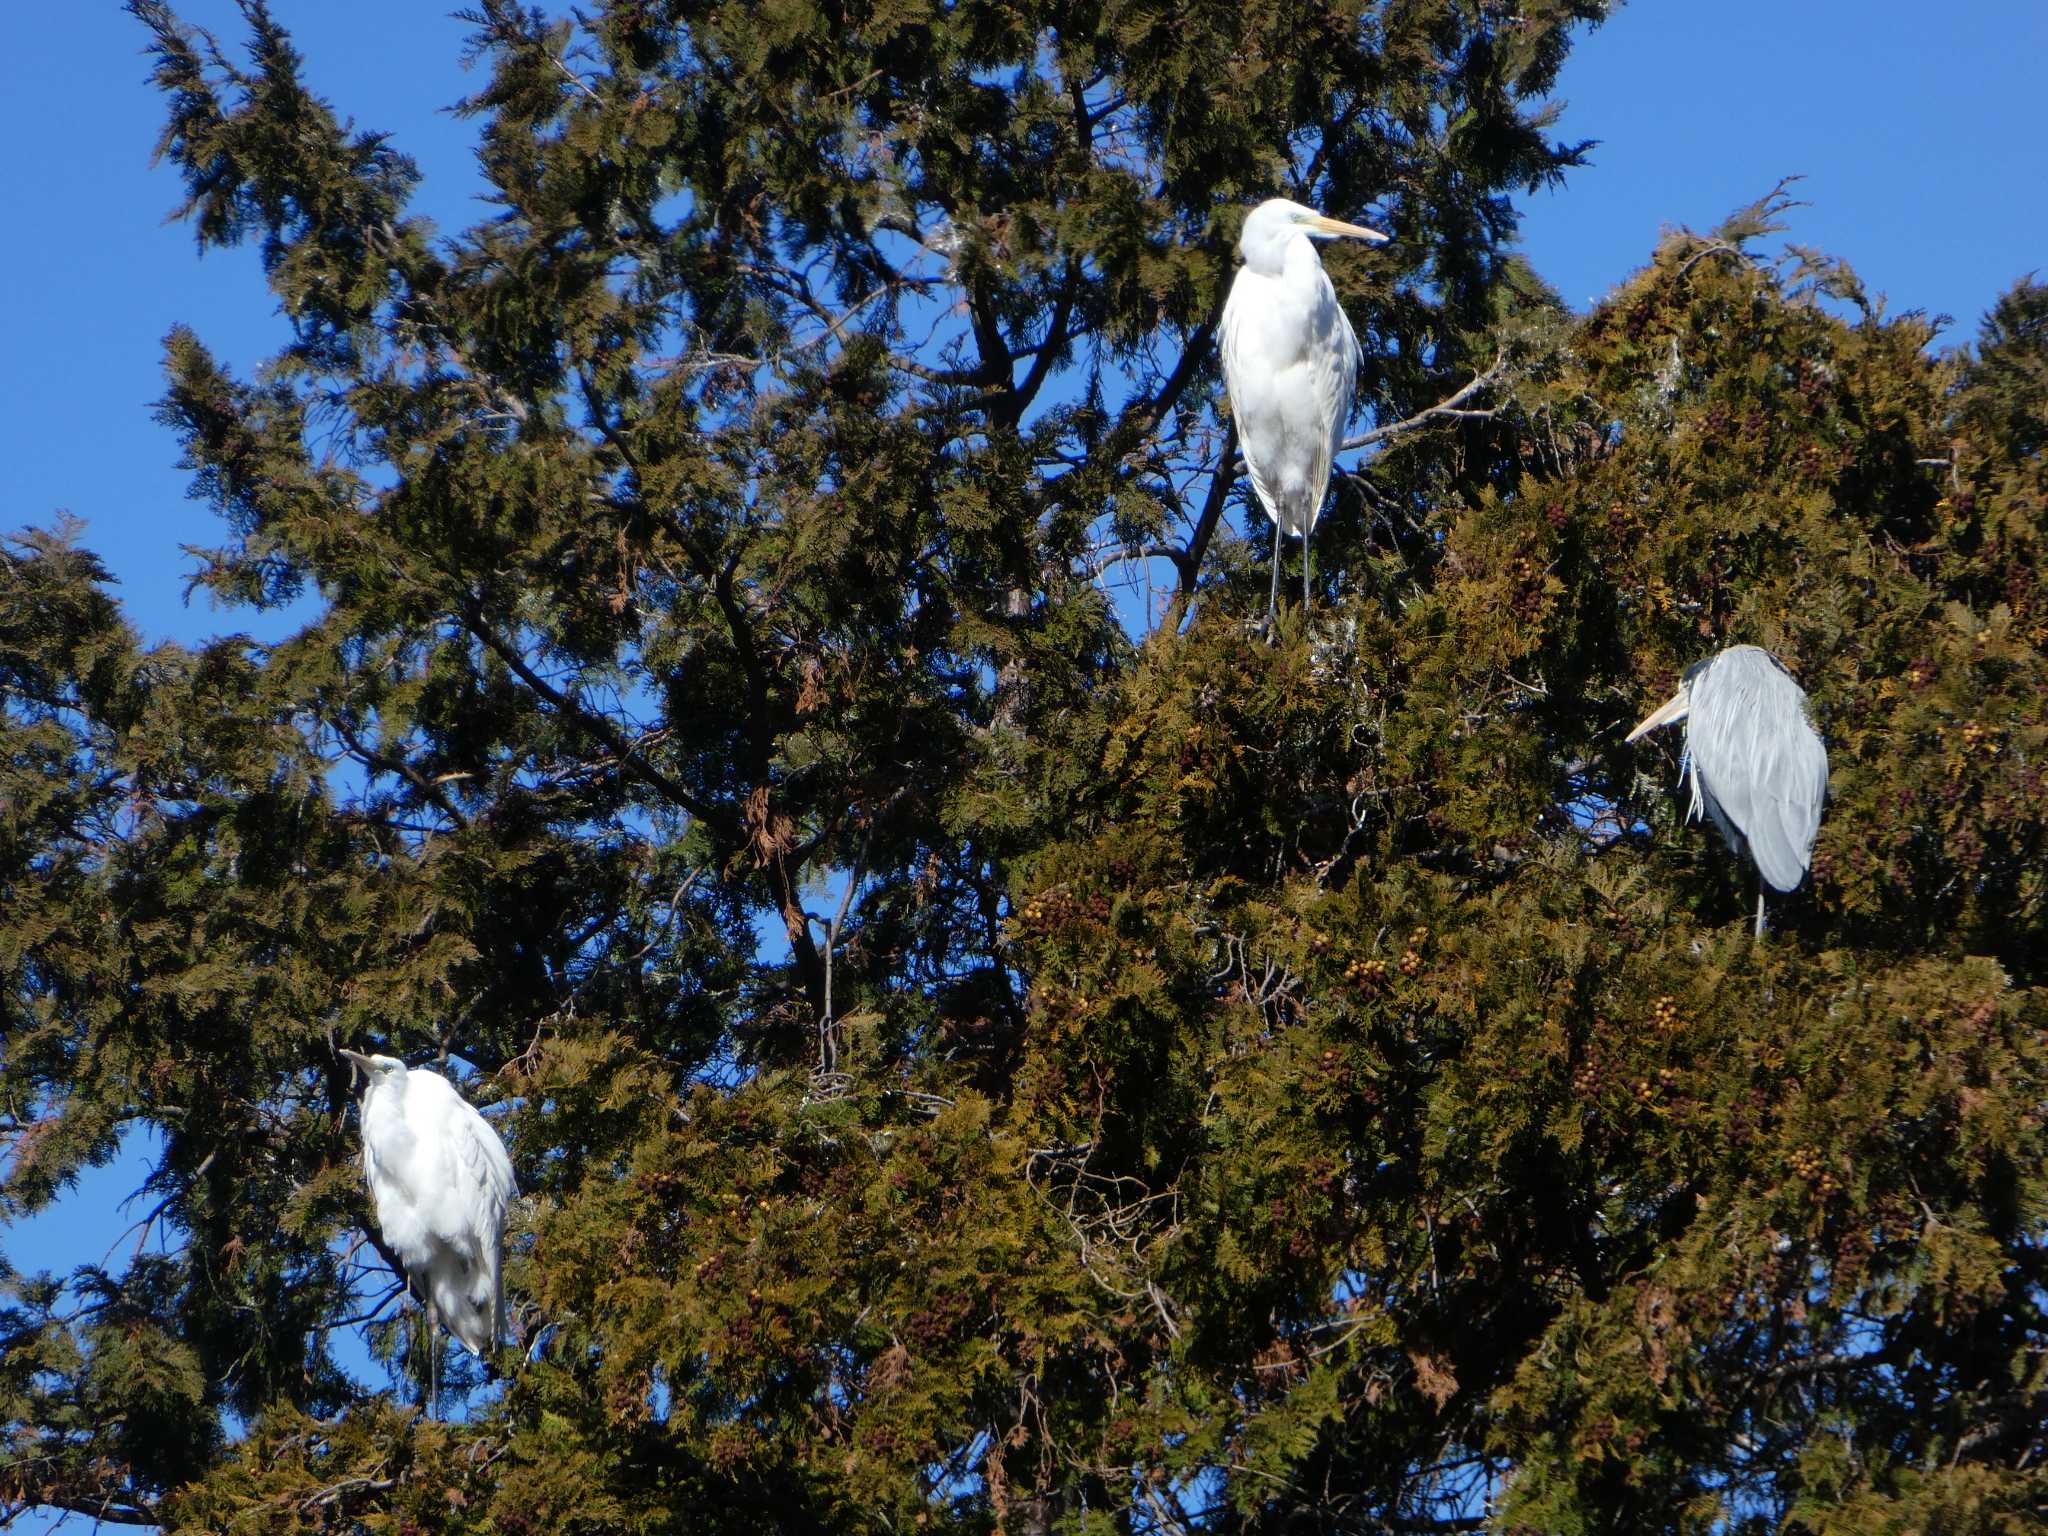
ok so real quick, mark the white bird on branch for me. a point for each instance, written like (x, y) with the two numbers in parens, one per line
(441, 1184)
(1757, 765)
(1290, 362)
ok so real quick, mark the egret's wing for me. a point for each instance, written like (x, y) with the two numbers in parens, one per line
(1329, 371)
(1760, 759)
(1343, 358)
(469, 1225)
(482, 1167)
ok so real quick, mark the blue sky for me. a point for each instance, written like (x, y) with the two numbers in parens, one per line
(1917, 132)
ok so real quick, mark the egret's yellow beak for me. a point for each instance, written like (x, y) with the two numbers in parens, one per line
(1322, 223)
(357, 1063)
(1674, 710)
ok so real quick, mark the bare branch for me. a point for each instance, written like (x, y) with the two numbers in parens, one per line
(1452, 408)
(348, 1485)
(1205, 527)
(1711, 248)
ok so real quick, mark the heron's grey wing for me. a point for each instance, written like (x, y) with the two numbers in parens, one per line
(1797, 783)
(1704, 804)
(1239, 376)
(1761, 760)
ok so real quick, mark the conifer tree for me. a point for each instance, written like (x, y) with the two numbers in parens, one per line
(977, 1059)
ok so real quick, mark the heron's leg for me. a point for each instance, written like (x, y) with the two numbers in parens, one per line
(433, 1360)
(1273, 596)
(1759, 908)
(1304, 572)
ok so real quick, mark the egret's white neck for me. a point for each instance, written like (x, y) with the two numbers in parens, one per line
(387, 1093)
(1277, 253)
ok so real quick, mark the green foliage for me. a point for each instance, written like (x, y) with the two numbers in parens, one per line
(974, 1063)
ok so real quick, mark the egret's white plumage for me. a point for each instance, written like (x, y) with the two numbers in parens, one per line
(1757, 765)
(1290, 362)
(441, 1183)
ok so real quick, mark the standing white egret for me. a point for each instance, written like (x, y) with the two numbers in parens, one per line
(1756, 763)
(1290, 361)
(441, 1182)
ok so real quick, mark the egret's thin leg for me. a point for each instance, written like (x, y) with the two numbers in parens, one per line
(1759, 909)
(433, 1374)
(1273, 597)
(1304, 574)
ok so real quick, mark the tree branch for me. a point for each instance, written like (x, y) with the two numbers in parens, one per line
(586, 719)
(1205, 525)
(399, 768)
(1141, 416)
(103, 1511)
(1055, 341)
(1449, 409)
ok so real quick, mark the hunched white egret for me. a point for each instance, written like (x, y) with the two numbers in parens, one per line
(1757, 765)
(1290, 362)
(441, 1183)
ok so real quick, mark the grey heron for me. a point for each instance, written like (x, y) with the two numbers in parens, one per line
(1757, 765)
(441, 1184)
(1290, 362)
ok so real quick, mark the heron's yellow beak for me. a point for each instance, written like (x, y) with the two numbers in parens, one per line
(357, 1063)
(1324, 224)
(1674, 710)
